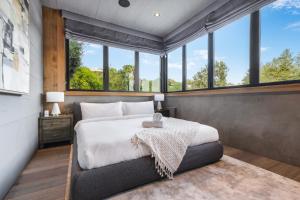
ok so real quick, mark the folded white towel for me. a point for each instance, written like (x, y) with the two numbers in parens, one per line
(152, 124)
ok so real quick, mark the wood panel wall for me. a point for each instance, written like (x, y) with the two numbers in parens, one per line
(53, 52)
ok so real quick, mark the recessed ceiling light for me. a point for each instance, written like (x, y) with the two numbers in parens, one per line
(156, 14)
(124, 3)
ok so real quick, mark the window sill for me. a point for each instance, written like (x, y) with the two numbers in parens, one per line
(92, 93)
(243, 90)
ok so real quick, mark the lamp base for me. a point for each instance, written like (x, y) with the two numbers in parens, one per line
(159, 107)
(55, 110)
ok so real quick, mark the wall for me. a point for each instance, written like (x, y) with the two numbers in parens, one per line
(266, 124)
(19, 114)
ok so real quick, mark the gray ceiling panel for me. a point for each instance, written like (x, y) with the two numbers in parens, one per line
(139, 15)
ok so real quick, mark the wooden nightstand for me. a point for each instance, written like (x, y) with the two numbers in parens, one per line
(168, 112)
(165, 112)
(55, 129)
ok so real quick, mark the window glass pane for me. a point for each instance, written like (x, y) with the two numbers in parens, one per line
(121, 69)
(175, 70)
(280, 42)
(232, 54)
(149, 70)
(196, 64)
(85, 65)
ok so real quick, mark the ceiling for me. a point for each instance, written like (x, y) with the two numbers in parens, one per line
(139, 16)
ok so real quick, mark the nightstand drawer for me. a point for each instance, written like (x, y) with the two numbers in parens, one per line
(55, 129)
(56, 135)
(55, 124)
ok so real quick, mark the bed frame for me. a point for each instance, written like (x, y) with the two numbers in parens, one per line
(106, 181)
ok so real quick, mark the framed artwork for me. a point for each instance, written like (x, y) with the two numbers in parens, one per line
(14, 46)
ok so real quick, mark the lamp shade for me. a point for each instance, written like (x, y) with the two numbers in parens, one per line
(159, 97)
(55, 97)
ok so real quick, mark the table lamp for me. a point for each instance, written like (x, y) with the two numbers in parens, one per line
(159, 98)
(55, 98)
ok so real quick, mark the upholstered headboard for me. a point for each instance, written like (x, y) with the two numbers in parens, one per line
(77, 112)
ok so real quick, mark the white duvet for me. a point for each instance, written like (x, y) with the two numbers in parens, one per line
(105, 141)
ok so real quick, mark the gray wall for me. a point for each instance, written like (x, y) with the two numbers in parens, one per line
(19, 114)
(266, 124)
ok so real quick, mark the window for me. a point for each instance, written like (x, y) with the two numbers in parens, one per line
(280, 42)
(85, 66)
(196, 64)
(121, 69)
(232, 54)
(175, 70)
(149, 69)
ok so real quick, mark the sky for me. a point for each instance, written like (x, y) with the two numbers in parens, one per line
(280, 29)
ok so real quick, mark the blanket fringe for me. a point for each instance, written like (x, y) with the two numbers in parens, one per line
(161, 168)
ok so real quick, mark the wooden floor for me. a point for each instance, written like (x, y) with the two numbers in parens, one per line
(45, 176)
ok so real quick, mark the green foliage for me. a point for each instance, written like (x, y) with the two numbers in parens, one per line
(75, 53)
(174, 85)
(282, 68)
(122, 79)
(200, 79)
(220, 76)
(150, 85)
(85, 79)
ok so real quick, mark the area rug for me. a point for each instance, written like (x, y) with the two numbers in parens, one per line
(228, 179)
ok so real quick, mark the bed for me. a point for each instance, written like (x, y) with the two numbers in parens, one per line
(98, 180)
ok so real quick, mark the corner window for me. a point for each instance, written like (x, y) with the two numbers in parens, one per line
(196, 64)
(175, 70)
(149, 69)
(85, 66)
(231, 65)
(280, 42)
(121, 69)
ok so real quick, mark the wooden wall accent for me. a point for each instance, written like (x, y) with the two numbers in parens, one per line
(53, 52)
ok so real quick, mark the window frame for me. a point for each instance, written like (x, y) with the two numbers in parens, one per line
(106, 73)
(68, 74)
(254, 66)
(254, 60)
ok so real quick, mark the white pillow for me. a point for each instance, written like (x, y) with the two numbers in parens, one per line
(94, 110)
(137, 108)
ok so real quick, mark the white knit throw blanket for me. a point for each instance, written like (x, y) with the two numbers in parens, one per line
(169, 144)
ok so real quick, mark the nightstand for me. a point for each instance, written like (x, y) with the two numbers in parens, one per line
(165, 112)
(55, 129)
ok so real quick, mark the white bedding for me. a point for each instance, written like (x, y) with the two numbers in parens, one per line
(105, 141)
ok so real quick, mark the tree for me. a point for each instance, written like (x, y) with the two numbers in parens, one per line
(281, 68)
(220, 76)
(174, 85)
(200, 79)
(121, 79)
(75, 53)
(85, 79)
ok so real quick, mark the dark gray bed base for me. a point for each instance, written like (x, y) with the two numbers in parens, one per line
(109, 180)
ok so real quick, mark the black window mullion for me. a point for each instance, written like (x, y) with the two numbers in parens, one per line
(211, 58)
(254, 48)
(162, 78)
(184, 68)
(136, 71)
(166, 73)
(105, 69)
